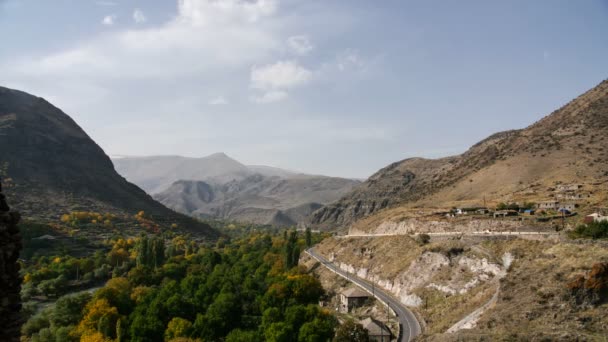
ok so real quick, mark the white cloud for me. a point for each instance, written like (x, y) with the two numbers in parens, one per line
(220, 100)
(273, 80)
(109, 20)
(280, 75)
(105, 3)
(138, 16)
(205, 36)
(299, 45)
(202, 12)
(350, 59)
(270, 96)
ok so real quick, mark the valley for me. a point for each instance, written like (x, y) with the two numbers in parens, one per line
(504, 242)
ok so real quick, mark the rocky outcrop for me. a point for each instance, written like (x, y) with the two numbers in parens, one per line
(10, 281)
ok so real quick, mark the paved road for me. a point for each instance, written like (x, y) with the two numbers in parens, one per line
(408, 324)
(480, 233)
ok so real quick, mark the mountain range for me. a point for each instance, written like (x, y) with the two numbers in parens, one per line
(218, 186)
(568, 146)
(51, 166)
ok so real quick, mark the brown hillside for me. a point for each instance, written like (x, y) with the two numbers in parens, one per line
(567, 146)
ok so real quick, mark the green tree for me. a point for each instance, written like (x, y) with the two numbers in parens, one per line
(308, 237)
(143, 250)
(292, 251)
(279, 332)
(351, 332)
(68, 309)
(238, 335)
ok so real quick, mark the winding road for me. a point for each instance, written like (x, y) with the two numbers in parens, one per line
(409, 327)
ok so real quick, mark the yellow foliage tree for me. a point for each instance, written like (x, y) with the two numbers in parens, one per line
(93, 312)
(94, 336)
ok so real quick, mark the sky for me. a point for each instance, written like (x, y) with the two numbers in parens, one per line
(341, 87)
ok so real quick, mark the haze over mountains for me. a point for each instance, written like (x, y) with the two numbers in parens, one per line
(54, 167)
(567, 146)
(218, 186)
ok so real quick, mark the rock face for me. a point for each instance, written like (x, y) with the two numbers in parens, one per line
(10, 281)
(566, 146)
(55, 167)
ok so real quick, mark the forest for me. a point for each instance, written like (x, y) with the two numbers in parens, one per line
(168, 287)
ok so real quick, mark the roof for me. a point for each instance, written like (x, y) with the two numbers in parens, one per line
(45, 237)
(374, 327)
(355, 292)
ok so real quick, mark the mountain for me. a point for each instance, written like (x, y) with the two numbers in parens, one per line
(218, 186)
(260, 199)
(55, 167)
(156, 173)
(568, 146)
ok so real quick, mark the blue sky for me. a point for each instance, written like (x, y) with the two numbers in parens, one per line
(340, 88)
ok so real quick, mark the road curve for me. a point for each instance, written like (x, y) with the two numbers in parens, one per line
(409, 327)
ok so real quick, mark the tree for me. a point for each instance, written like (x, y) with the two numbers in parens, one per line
(319, 330)
(98, 313)
(292, 251)
(279, 332)
(157, 252)
(351, 332)
(178, 327)
(308, 237)
(68, 309)
(238, 335)
(143, 257)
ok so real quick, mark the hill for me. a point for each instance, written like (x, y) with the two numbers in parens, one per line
(54, 167)
(259, 199)
(218, 186)
(566, 147)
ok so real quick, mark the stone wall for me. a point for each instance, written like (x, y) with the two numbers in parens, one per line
(10, 281)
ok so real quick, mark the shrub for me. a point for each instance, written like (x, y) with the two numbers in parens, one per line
(423, 239)
(594, 230)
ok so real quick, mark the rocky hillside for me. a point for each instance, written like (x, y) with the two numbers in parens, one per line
(260, 199)
(55, 167)
(567, 146)
(473, 289)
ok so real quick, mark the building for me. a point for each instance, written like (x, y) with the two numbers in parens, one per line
(548, 205)
(568, 187)
(505, 213)
(352, 298)
(568, 206)
(574, 196)
(595, 217)
(376, 330)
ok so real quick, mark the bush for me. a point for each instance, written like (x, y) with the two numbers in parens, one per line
(594, 230)
(423, 239)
